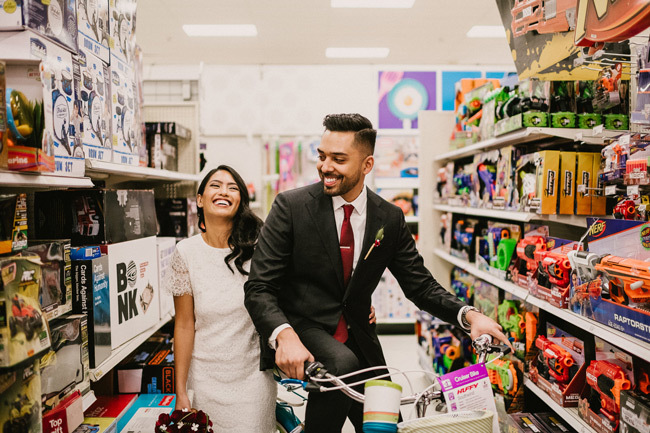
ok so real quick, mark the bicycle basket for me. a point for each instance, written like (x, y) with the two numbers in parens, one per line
(477, 421)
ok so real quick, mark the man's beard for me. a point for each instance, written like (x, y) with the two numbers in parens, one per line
(345, 185)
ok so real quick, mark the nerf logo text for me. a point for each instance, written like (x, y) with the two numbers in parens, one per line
(598, 228)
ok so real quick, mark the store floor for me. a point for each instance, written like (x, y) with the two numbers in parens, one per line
(401, 352)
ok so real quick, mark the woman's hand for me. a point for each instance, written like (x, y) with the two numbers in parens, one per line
(372, 317)
(182, 402)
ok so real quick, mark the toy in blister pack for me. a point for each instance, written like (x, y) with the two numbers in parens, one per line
(56, 283)
(504, 182)
(607, 90)
(20, 396)
(486, 298)
(503, 375)
(462, 283)
(444, 183)
(526, 184)
(640, 116)
(463, 239)
(524, 271)
(485, 179)
(635, 412)
(13, 223)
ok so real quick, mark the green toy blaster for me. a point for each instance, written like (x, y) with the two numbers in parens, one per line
(511, 320)
(503, 376)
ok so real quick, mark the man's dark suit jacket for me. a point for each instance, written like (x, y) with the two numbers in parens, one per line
(296, 272)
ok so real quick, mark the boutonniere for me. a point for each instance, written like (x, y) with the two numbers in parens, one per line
(378, 238)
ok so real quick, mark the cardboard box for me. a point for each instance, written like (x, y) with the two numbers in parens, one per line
(162, 143)
(598, 199)
(113, 406)
(95, 216)
(97, 425)
(23, 328)
(92, 298)
(122, 29)
(635, 412)
(125, 145)
(134, 291)
(165, 248)
(65, 368)
(145, 412)
(567, 183)
(56, 284)
(20, 399)
(154, 375)
(177, 217)
(65, 417)
(526, 423)
(548, 166)
(93, 28)
(13, 223)
(93, 99)
(552, 423)
(584, 182)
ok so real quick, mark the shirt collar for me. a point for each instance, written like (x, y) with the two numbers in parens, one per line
(359, 203)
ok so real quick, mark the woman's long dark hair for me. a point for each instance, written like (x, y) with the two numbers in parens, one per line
(246, 225)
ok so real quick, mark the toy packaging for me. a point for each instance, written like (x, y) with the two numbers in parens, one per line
(396, 156)
(92, 24)
(96, 216)
(65, 368)
(462, 284)
(122, 30)
(97, 425)
(524, 199)
(177, 217)
(23, 330)
(511, 317)
(504, 182)
(486, 298)
(20, 399)
(444, 183)
(113, 406)
(165, 250)
(524, 270)
(584, 176)
(145, 412)
(66, 416)
(567, 193)
(91, 298)
(553, 272)
(486, 177)
(93, 105)
(445, 234)
(125, 147)
(548, 165)
(148, 371)
(501, 241)
(405, 199)
(56, 283)
(3, 117)
(13, 223)
(463, 243)
(607, 375)
(162, 142)
(559, 369)
(635, 412)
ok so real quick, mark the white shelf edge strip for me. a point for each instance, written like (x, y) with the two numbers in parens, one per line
(34, 180)
(574, 220)
(89, 399)
(125, 349)
(137, 171)
(624, 341)
(569, 414)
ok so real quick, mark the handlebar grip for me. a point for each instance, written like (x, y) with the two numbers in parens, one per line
(311, 387)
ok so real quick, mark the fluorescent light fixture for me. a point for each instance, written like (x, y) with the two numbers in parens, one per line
(487, 32)
(383, 4)
(356, 53)
(217, 30)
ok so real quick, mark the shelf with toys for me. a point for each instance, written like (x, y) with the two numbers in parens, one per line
(569, 414)
(15, 179)
(101, 170)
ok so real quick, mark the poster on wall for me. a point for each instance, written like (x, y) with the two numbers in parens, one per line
(396, 156)
(541, 36)
(402, 95)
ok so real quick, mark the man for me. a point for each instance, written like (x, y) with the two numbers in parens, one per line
(313, 272)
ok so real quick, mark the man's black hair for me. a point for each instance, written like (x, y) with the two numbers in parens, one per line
(364, 134)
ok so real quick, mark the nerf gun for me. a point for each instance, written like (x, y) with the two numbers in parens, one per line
(584, 264)
(449, 355)
(607, 380)
(488, 176)
(555, 265)
(511, 320)
(557, 360)
(494, 236)
(531, 329)
(526, 248)
(503, 376)
(628, 280)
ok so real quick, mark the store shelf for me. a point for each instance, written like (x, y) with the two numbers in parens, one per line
(574, 220)
(101, 170)
(16, 179)
(568, 414)
(397, 182)
(412, 219)
(124, 350)
(89, 399)
(611, 335)
(527, 135)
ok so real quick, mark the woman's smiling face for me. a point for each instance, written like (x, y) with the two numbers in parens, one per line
(221, 196)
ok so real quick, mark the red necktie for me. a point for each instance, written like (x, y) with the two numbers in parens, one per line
(347, 257)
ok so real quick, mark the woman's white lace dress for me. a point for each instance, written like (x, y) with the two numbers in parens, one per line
(224, 372)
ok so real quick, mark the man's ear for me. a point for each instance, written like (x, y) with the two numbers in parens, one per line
(368, 164)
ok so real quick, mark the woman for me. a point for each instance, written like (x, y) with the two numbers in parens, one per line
(216, 347)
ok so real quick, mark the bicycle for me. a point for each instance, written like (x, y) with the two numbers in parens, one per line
(317, 377)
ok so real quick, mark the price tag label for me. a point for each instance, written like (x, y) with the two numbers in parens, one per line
(598, 129)
(582, 189)
(633, 190)
(637, 175)
(578, 136)
(624, 139)
(610, 190)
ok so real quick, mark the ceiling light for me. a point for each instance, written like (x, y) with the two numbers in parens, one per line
(393, 4)
(487, 32)
(217, 30)
(356, 53)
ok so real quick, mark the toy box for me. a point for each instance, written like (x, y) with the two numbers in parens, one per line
(97, 425)
(466, 192)
(122, 29)
(148, 373)
(525, 195)
(635, 412)
(567, 196)
(511, 317)
(95, 216)
(462, 283)
(504, 182)
(552, 423)
(20, 399)
(501, 242)
(92, 24)
(165, 250)
(91, 298)
(93, 103)
(445, 233)
(584, 182)
(125, 146)
(444, 183)
(524, 269)
(486, 177)
(486, 298)
(559, 368)
(463, 242)
(65, 368)
(607, 375)
(162, 142)
(145, 412)
(134, 291)
(66, 416)
(405, 199)
(548, 165)
(524, 423)
(56, 282)
(598, 200)
(113, 406)
(13, 223)
(553, 272)
(396, 156)
(23, 329)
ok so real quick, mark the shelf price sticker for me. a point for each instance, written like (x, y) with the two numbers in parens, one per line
(633, 190)
(598, 129)
(469, 389)
(610, 190)
(624, 140)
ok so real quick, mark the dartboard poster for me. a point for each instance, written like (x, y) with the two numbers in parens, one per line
(402, 95)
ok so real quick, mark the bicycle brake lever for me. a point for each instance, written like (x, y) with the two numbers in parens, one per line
(315, 369)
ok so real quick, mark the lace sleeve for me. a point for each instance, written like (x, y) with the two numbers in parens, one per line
(177, 281)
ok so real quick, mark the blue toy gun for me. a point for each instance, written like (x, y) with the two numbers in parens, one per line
(487, 174)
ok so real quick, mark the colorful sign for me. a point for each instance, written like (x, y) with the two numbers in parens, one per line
(610, 21)
(402, 95)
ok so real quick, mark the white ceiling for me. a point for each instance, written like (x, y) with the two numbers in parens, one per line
(297, 32)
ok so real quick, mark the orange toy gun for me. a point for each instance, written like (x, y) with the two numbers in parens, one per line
(628, 279)
(526, 248)
(608, 380)
(531, 329)
(555, 265)
(557, 360)
(502, 374)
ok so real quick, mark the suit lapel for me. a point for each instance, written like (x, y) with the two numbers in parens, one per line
(375, 219)
(322, 213)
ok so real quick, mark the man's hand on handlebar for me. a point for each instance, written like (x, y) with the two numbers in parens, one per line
(481, 324)
(291, 354)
